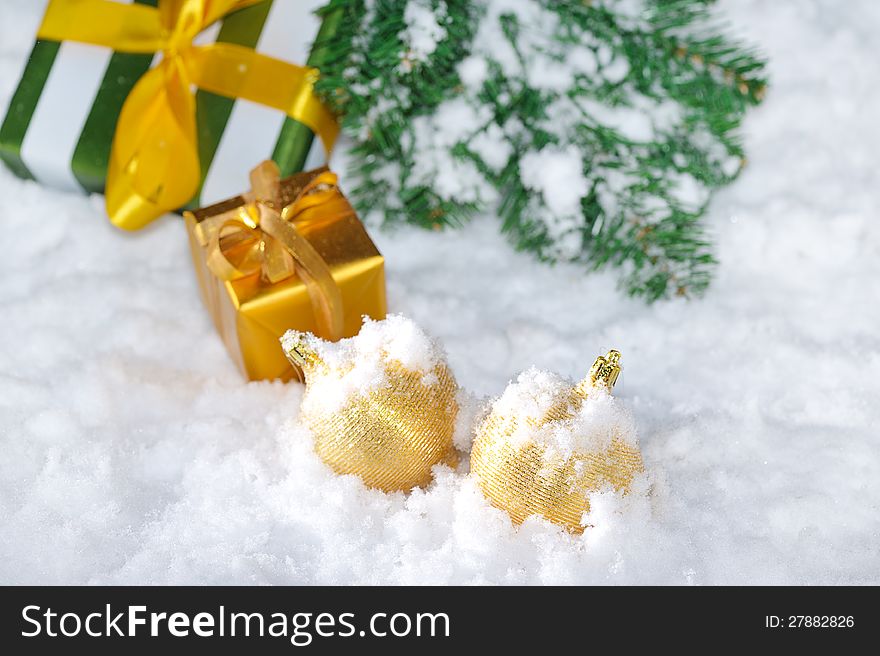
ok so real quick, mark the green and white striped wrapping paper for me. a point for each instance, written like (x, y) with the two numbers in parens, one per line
(61, 119)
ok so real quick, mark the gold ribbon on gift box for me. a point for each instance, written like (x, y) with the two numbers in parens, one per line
(289, 253)
(154, 161)
(261, 238)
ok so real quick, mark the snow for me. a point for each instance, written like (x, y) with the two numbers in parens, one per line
(422, 32)
(557, 173)
(133, 453)
(358, 364)
(434, 165)
(594, 423)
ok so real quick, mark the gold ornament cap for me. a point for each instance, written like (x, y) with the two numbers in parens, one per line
(604, 372)
(606, 369)
(299, 350)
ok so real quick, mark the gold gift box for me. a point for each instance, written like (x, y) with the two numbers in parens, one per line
(251, 313)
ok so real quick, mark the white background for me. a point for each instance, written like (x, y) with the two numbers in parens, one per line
(132, 452)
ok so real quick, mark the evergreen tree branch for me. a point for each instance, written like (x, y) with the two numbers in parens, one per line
(596, 134)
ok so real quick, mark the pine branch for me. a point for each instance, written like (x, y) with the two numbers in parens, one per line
(596, 135)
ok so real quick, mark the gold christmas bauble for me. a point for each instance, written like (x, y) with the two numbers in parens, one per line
(381, 405)
(546, 445)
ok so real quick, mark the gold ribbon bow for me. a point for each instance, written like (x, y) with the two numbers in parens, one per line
(261, 237)
(154, 161)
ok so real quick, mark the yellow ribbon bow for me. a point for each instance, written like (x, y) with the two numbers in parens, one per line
(261, 237)
(154, 161)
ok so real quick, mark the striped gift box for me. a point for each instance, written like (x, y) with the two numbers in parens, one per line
(60, 123)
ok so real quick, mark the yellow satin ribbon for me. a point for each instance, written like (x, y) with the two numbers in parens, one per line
(154, 161)
(261, 238)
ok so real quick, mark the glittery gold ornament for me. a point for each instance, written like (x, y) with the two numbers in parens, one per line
(537, 461)
(371, 414)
